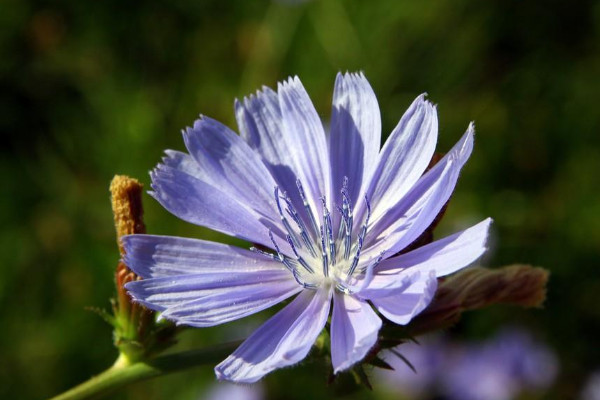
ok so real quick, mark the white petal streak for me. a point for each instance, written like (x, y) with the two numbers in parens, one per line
(228, 304)
(354, 329)
(174, 291)
(355, 134)
(283, 340)
(305, 140)
(155, 256)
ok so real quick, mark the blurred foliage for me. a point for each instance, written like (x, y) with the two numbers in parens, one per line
(89, 89)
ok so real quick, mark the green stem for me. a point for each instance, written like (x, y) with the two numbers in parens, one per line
(123, 372)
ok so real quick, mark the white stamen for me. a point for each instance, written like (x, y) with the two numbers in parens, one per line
(343, 270)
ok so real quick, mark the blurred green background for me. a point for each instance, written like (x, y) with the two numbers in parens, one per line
(89, 89)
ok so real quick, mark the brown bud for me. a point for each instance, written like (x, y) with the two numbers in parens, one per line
(474, 288)
(137, 335)
(126, 197)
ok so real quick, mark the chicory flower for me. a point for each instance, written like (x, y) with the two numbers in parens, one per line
(329, 214)
(502, 368)
(510, 363)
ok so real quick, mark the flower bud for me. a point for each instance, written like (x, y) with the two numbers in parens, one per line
(136, 332)
(475, 288)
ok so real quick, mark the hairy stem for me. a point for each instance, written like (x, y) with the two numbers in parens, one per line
(123, 372)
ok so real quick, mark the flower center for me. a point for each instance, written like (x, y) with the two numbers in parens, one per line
(320, 256)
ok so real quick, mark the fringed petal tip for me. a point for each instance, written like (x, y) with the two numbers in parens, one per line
(291, 81)
(471, 127)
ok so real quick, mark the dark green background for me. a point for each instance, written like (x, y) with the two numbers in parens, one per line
(89, 89)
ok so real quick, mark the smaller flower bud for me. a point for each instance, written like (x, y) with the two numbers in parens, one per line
(475, 288)
(136, 334)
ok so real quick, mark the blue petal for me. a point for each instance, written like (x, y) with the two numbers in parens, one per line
(202, 204)
(227, 163)
(402, 307)
(354, 330)
(183, 162)
(444, 256)
(154, 256)
(261, 125)
(404, 157)
(355, 134)
(283, 340)
(385, 284)
(213, 297)
(305, 141)
(203, 283)
(405, 221)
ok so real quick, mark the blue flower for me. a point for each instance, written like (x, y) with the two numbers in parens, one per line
(502, 368)
(591, 388)
(328, 214)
